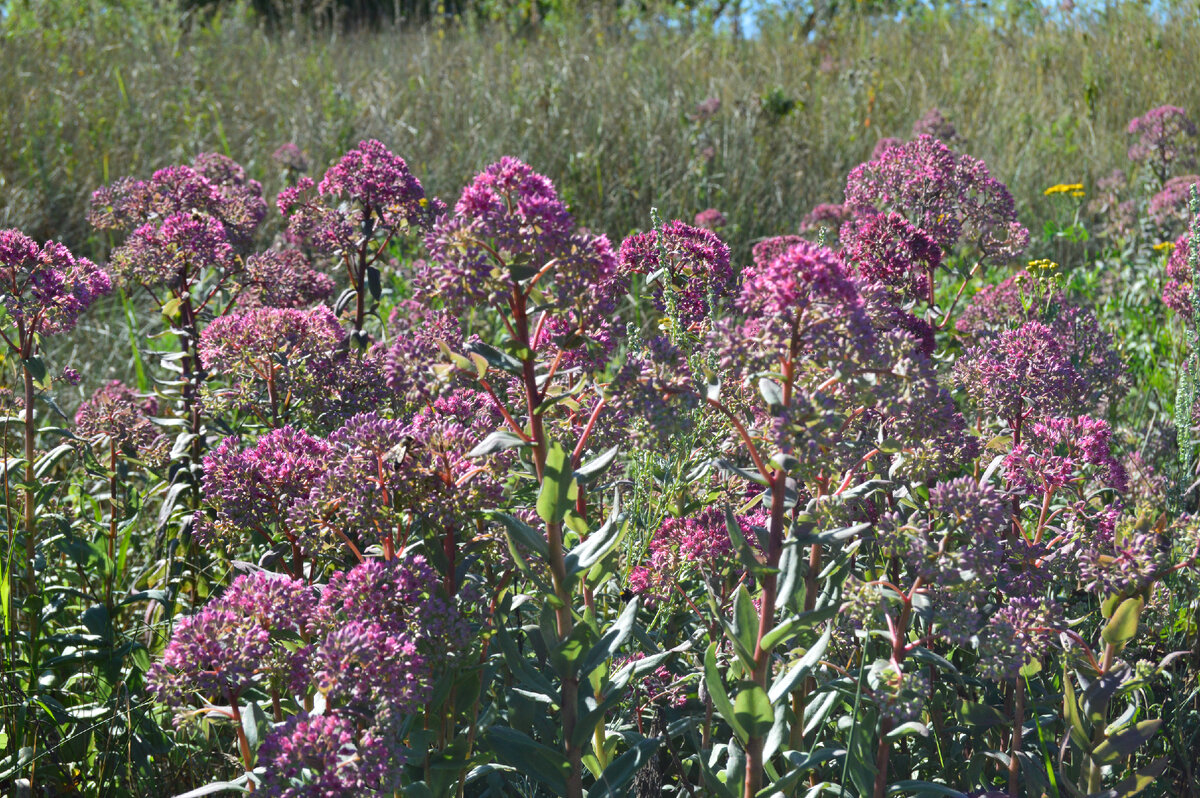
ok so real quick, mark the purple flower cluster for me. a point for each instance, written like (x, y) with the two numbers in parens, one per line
(268, 356)
(328, 755)
(1018, 634)
(1021, 374)
(1177, 292)
(235, 641)
(46, 288)
(368, 487)
(935, 124)
(172, 253)
(417, 332)
(710, 219)
(118, 414)
(1169, 207)
(696, 268)
(509, 225)
(825, 216)
(213, 186)
(400, 597)
(282, 278)
(252, 490)
(697, 544)
(1055, 451)
(952, 197)
(289, 156)
(800, 302)
(1163, 138)
(370, 191)
(885, 248)
(960, 542)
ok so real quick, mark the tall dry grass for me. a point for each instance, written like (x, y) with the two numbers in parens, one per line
(605, 115)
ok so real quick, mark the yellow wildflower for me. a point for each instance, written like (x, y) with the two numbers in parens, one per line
(1166, 246)
(1042, 265)
(1073, 189)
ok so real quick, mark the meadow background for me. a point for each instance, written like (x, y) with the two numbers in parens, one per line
(759, 113)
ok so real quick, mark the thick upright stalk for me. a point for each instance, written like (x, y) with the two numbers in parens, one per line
(766, 620)
(30, 494)
(193, 372)
(1014, 764)
(113, 486)
(564, 620)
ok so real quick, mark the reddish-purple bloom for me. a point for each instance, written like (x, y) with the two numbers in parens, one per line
(251, 490)
(115, 412)
(710, 219)
(46, 288)
(328, 755)
(885, 248)
(1022, 373)
(933, 123)
(696, 268)
(1163, 138)
(283, 278)
(952, 197)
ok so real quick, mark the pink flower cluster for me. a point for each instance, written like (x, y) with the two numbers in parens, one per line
(45, 288)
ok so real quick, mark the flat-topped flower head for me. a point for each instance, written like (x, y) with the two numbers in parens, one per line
(213, 186)
(45, 289)
(509, 216)
(710, 219)
(935, 124)
(1177, 292)
(1169, 207)
(328, 755)
(1055, 452)
(801, 275)
(378, 180)
(401, 596)
(690, 262)
(269, 332)
(826, 216)
(417, 330)
(290, 157)
(1019, 633)
(1022, 373)
(950, 196)
(1163, 138)
(771, 248)
(116, 413)
(886, 248)
(283, 278)
(270, 359)
(369, 194)
(364, 667)
(962, 539)
(218, 652)
(158, 255)
(370, 487)
(801, 303)
(251, 490)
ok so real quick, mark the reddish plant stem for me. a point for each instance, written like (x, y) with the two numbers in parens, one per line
(564, 619)
(1014, 764)
(243, 743)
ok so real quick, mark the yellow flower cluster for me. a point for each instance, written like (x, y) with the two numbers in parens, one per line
(1042, 265)
(1070, 189)
(1166, 246)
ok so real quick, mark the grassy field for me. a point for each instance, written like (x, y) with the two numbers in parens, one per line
(608, 115)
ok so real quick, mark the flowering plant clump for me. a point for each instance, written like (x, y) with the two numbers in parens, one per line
(516, 512)
(952, 197)
(1164, 138)
(687, 266)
